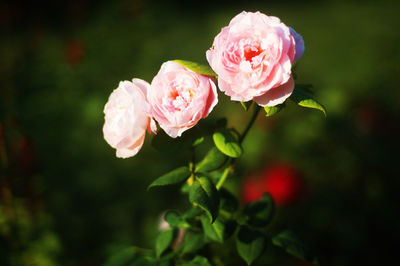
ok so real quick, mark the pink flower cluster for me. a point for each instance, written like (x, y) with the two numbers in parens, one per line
(252, 57)
(177, 99)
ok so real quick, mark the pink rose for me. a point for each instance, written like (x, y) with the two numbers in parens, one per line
(253, 58)
(179, 98)
(127, 117)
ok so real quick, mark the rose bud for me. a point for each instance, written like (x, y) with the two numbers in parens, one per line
(179, 98)
(253, 58)
(127, 118)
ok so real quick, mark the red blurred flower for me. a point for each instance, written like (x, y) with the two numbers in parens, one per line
(280, 180)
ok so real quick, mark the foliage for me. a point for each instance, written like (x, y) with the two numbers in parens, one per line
(214, 216)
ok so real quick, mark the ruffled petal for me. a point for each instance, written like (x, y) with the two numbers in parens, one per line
(276, 95)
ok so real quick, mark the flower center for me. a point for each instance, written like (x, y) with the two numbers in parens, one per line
(180, 97)
(251, 51)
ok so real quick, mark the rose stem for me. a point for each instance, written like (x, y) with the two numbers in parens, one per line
(231, 161)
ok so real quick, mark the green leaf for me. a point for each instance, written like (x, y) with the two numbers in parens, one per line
(198, 260)
(191, 213)
(220, 230)
(172, 218)
(196, 67)
(270, 111)
(185, 188)
(198, 141)
(193, 242)
(304, 99)
(250, 244)
(246, 105)
(293, 245)
(259, 213)
(164, 240)
(213, 160)
(205, 195)
(176, 176)
(175, 220)
(227, 143)
(228, 201)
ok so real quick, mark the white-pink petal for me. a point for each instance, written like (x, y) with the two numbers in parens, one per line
(127, 117)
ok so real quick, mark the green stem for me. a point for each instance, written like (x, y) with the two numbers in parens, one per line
(252, 120)
(224, 176)
(231, 161)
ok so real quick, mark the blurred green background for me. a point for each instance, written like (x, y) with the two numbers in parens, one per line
(65, 199)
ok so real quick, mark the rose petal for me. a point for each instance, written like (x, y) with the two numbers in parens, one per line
(276, 95)
(131, 151)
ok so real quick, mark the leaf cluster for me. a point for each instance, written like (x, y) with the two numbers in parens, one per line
(215, 216)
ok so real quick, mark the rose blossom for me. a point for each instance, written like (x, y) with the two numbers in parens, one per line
(127, 118)
(253, 58)
(179, 98)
